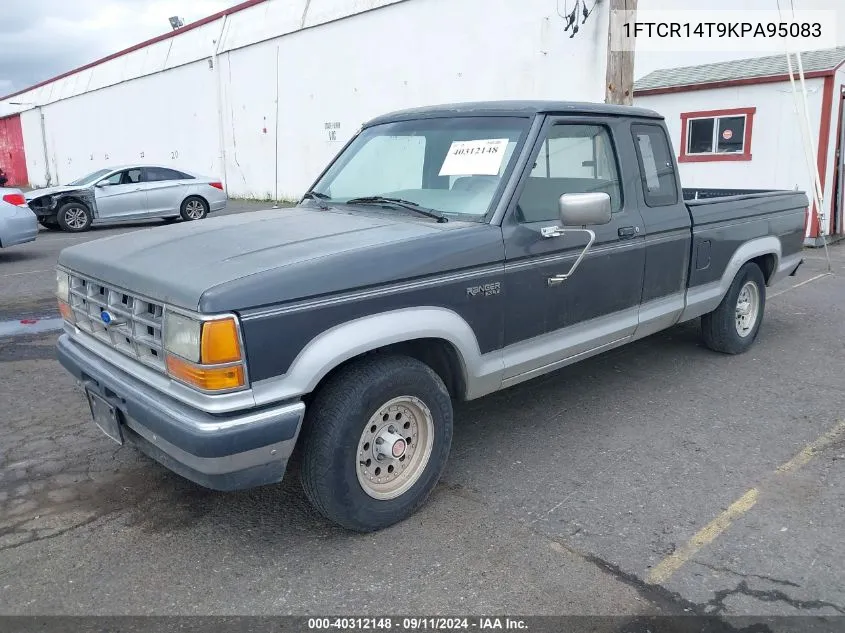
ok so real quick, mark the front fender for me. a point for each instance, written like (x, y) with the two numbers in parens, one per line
(481, 373)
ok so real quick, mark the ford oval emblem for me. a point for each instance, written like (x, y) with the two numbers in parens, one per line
(107, 317)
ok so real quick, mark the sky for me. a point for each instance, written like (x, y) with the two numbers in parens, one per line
(43, 38)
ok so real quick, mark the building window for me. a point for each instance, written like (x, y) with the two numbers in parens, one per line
(716, 135)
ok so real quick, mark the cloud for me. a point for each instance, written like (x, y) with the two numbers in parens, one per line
(43, 38)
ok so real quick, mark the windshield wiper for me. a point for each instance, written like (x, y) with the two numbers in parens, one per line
(398, 202)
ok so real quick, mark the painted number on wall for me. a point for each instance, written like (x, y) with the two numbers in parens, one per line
(331, 128)
(174, 155)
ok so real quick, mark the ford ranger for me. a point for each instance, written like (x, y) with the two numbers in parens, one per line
(445, 253)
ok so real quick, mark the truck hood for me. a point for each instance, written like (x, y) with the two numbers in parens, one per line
(253, 259)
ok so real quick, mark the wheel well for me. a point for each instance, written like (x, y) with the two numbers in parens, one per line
(65, 201)
(195, 195)
(437, 353)
(766, 263)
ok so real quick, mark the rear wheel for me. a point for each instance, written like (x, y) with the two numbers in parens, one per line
(194, 208)
(375, 442)
(74, 217)
(733, 327)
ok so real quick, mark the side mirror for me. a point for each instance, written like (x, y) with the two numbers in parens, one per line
(102, 183)
(584, 209)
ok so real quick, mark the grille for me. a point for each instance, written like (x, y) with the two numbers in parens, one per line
(137, 326)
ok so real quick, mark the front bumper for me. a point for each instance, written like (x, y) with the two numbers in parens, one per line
(18, 228)
(222, 452)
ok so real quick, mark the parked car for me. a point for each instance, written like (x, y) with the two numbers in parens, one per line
(446, 253)
(132, 192)
(17, 222)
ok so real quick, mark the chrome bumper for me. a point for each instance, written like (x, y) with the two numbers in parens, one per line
(223, 452)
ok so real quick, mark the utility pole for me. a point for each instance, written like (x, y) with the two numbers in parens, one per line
(619, 81)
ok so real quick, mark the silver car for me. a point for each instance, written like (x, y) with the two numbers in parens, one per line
(130, 192)
(17, 222)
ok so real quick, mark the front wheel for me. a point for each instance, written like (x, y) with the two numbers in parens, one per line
(194, 208)
(74, 217)
(375, 442)
(733, 327)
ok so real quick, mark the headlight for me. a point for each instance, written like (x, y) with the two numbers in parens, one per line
(204, 354)
(63, 296)
(62, 285)
(182, 336)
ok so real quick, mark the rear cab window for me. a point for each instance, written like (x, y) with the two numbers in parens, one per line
(657, 168)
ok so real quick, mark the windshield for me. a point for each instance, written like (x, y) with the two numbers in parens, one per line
(450, 165)
(85, 180)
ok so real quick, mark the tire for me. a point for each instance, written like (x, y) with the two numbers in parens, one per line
(74, 217)
(379, 392)
(49, 223)
(725, 329)
(193, 208)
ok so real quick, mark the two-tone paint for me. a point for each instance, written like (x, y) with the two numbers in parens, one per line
(314, 287)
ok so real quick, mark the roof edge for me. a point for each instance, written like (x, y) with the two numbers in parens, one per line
(154, 40)
(728, 83)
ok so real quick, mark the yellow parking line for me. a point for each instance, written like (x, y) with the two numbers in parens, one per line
(810, 450)
(661, 572)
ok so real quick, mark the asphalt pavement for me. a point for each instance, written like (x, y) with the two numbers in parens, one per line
(659, 478)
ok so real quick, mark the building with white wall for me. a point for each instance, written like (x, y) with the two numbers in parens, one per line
(264, 94)
(737, 125)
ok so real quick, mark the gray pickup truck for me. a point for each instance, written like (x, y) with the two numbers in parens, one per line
(444, 254)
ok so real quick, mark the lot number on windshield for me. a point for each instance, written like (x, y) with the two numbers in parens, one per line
(475, 158)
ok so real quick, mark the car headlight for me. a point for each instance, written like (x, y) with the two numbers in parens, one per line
(63, 296)
(204, 354)
(62, 285)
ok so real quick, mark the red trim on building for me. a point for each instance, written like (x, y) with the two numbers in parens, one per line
(131, 49)
(12, 153)
(712, 158)
(730, 83)
(824, 146)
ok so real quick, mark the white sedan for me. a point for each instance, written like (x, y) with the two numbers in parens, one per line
(133, 192)
(17, 222)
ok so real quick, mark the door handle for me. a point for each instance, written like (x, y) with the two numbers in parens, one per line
(627, 232)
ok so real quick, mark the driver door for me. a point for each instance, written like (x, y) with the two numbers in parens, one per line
(121, 195)
(547, 322)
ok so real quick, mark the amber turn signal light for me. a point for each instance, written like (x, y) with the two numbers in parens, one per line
(66, 312)
(220, 343)
(206, 378)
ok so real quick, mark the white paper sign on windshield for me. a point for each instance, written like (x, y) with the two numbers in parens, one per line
(475, 158)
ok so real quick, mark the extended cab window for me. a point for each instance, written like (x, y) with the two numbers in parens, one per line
(657, 169)
(573, 158)
(449, 165)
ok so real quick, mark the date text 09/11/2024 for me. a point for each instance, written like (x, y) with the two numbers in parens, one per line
(414, 624)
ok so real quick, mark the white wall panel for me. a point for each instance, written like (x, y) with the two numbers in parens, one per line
(261, 22)
(170, 118)
(36, 161)
(341, 73)
(194, 44)
(349, 71)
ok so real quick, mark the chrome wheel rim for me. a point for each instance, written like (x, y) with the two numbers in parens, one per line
(194, 209)
(747, 308)
(75, 218)
(395, 447)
